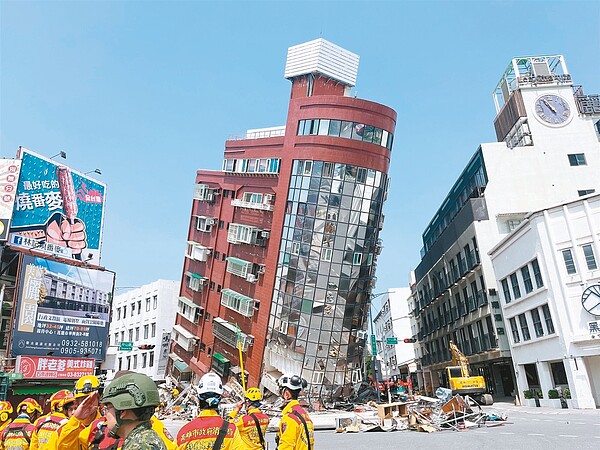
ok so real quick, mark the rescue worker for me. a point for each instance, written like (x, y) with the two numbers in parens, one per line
(6, 410)
(17, 436)
(129, 402)
(61, 407)
(252, 425)
(209, 430)
(296, 429)
(86, 411)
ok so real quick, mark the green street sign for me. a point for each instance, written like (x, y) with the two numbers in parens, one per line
(15, 376)
(391, 341)
(126, 346)
(373, 345)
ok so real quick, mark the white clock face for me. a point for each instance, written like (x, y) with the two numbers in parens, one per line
(590, 299)
(552, 110)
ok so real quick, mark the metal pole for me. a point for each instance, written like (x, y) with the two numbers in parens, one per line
(374, 350)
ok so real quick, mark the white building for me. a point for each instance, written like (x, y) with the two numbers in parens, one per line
(142, 319)
(392, 322)
(547, 153)
(549, 278)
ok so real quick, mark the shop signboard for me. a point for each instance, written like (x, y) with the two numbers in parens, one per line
(59, 208)
(9, 176)
(53, 367)
(62, 310)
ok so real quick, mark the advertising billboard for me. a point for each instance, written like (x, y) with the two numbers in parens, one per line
(52, 367)
(62, 310)
(58, 209)
(9, 176)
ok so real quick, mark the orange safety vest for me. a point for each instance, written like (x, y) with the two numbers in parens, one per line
(46, 425)
(248, 430)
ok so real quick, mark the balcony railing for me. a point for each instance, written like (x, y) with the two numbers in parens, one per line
(251, 205)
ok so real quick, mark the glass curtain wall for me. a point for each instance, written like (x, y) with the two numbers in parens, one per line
(324, 275)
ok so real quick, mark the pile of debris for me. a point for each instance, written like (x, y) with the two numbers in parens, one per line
(424, 414)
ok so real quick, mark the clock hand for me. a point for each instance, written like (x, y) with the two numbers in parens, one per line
(549, 105)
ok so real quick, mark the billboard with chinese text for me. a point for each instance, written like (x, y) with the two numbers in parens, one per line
(9, 176)
(58, 208)
(52, 367)
(62, 310)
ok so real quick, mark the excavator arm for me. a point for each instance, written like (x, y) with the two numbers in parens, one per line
(460, 360)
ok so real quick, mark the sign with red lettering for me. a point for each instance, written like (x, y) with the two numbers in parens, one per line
(54, 367)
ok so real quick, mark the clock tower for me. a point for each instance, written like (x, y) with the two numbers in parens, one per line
(537, 103)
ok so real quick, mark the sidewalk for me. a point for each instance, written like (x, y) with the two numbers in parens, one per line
(509, 406)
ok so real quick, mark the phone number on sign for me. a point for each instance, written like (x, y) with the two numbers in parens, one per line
(73, 347)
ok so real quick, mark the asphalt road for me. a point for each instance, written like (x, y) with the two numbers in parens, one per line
(526, 428)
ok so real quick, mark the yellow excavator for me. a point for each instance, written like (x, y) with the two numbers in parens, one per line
(461, 382)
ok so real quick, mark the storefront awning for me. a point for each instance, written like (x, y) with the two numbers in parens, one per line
(40, 389)
(181, 366)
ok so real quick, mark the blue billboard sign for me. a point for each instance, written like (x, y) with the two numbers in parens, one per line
(60, 207)
(61, 310)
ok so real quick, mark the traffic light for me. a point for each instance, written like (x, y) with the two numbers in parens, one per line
(146, 346)
(409, 340)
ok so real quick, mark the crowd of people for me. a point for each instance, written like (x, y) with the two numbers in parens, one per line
(122, 418)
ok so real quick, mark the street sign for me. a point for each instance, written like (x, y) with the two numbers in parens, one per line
(15, 376)
(373, 345)
(391, 341)
(126, 346)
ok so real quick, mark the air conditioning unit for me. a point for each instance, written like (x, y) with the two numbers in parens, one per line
(270, 198)
(250, 340)
(262, 268)
(211, 221)
(251, 278)
(361, 334)
(492, 291)
(265, 234)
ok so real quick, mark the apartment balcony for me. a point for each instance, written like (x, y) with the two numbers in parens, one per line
(250, 205)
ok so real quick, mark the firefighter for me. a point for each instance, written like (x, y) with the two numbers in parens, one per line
(129, 402)
(86, 411)
(61, 407)
(252, 425)
(17, 436)
(209, 430)
(6, 410)
(296, 429)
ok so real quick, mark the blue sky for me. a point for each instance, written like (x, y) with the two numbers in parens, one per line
(149, 91)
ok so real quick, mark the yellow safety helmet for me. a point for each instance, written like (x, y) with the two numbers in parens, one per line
(85, 386)
(254, 395)
(29, 405)
(57, 399)
(6, 410)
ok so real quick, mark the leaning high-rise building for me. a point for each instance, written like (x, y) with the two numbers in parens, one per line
(283, 240)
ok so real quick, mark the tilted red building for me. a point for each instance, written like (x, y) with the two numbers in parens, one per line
(283, 239)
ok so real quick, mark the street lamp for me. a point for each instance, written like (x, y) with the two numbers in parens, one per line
(98, 171)
(62, 154)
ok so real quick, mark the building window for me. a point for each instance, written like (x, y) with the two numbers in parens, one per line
(548, 319)
(118, 313)
(144, 358)
(506, 290)
(151, 362)
(524, 327)
(537, 323)
(569, 263)
(590, 259)
(124, 312)
(514, 281)
(147, 304)
(155, 301)
(146, 329)
(583, 192)
(153, 327)
(577, 159)
(527, 279)
(139, 307)
(537, 274)
(326, 254)
(137, 333)
(357, 259)
(515, 330)
(131, 335)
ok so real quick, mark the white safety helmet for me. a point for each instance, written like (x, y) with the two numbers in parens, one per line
(292, 382)
(210, 383)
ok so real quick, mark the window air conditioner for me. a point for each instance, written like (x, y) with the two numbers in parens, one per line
(262, 268)
(251, 278)
(361, 334)
(265, 234)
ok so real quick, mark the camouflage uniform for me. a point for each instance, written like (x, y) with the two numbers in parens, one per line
(143, 437)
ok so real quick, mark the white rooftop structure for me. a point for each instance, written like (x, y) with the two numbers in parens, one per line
(322, 57)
